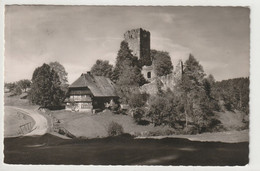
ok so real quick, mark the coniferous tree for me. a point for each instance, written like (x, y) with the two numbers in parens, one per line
(194, 95)
(124, 59)
(234, 93)
(45, 88)
(127, 73)
(129, 81)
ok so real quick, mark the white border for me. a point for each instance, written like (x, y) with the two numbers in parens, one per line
(254, 5)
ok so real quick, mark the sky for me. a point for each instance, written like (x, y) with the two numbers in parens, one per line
(76, 36)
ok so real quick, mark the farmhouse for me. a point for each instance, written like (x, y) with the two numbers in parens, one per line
(90, 92)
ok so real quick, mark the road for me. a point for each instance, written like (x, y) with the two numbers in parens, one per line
(41, 124)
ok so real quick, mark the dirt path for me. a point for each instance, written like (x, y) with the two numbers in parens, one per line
(41, 124)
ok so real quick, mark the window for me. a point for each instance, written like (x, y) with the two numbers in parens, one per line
(148, 74)
(86, 105)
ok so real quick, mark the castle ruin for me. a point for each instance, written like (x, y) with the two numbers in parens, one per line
(139, 43)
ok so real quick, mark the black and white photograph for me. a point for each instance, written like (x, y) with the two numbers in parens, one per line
(126, 85)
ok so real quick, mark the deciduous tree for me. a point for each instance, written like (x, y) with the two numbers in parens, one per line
(102, 68)
(45, 88)
(63, 75)
(24, 84)
(162, 62)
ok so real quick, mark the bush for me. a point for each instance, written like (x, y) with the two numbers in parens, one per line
(17, 91)
(115, 129)
(138, 114)
(114, 107)
(137, 100)
(190, 129)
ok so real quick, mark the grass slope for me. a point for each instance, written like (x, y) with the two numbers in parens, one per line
(13, 120)
(90, 126)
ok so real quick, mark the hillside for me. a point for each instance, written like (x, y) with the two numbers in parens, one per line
(91, 126)
(87, 125)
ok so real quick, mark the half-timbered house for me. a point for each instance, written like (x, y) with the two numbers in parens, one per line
(90, 92)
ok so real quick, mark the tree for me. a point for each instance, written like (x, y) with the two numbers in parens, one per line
(162, 62)
(127, 73)
(63, 75)
(10, 86)
(45, 88)
(17, 91)
(194, 96)
(124, 57)
(129, 81)
(102, 68)
(24, 84)
(234, 93)
(137, 102)
(163, 109)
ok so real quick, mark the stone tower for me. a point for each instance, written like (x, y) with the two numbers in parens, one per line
(139, 42)
(178, 71)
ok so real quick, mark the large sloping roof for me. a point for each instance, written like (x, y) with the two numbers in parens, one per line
(99, 86)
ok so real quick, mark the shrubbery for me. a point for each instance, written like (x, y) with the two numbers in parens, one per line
(115, 129)
(137, 102)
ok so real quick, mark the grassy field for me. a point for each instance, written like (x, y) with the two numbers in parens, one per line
(90, 126)
(16, 101)
(87, 125)
(227, 137)
(13, 121)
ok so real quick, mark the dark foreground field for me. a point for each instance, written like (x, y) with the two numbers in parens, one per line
(123, 150)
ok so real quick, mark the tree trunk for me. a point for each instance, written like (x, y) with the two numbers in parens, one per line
(240, 100)
(186, 122)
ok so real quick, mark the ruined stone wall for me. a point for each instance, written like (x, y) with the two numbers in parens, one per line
(139, 42)
(167, 81)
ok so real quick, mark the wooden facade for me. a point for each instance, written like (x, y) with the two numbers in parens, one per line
(90, 92)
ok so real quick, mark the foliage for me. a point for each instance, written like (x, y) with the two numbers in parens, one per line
(115, 129)
(24, 84)
(45, 87)
(16, 87)
(137, 99)
(114, 106)
(234, 93)
(164, 109)
(63, 75)
(194, 91)
(127, 73)
(162, 62)
(124, 57)
(17, 90)
(137, 102)
(128, 83)
(102, 68)
(10, 86)
(138, 114)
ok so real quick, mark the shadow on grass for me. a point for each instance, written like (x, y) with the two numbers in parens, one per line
(123, 150)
